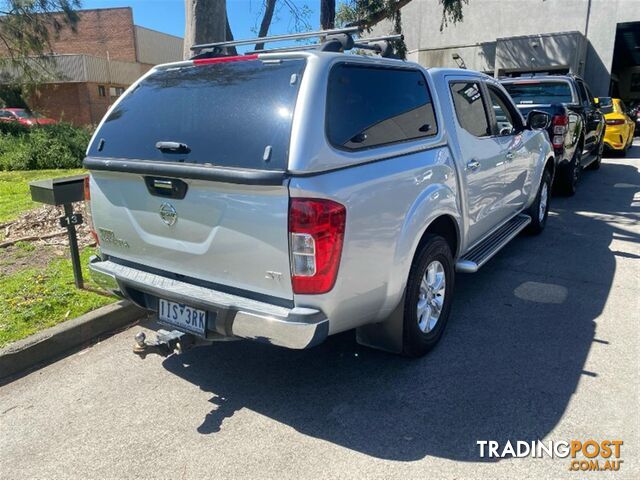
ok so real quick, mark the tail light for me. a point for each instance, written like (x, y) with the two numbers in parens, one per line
(87, 208)
(614, 121)
(559, 123)
(316, 229)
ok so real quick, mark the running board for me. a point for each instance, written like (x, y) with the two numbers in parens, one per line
(481, 253)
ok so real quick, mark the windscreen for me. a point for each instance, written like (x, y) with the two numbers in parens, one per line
(230, 114)
(27, 114)
(531, 93)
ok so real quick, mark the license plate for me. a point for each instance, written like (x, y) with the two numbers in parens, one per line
(182, 316)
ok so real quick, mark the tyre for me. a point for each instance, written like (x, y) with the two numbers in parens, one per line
(595, 165)
(428, 297)
(539, 209)
(569, 176)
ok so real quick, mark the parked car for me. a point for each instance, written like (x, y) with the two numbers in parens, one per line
(287, 196)
(577, 126)
(634, 114)
(620, 127)
(24, 117)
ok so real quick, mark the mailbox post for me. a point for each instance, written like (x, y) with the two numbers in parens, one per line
(64, 191)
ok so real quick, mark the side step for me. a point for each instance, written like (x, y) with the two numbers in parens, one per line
(481, 253)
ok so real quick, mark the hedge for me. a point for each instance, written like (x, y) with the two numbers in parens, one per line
(49, 146)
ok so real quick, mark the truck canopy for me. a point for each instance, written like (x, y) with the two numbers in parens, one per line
(229, 114)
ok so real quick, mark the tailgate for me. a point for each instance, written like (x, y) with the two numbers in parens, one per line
(217, 128)
(229, 234)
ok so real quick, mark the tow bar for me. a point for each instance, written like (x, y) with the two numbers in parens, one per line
(165, 343)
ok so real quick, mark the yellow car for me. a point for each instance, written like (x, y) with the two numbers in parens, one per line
(618, 135)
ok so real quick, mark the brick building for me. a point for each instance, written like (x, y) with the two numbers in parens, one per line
(95, 64)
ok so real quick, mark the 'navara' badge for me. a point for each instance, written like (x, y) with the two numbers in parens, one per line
(168, 214)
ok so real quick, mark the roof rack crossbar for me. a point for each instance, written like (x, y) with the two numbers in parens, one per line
(277, 38)
(398, 36)
(373, 43)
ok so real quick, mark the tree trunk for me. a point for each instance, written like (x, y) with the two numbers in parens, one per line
(205, 22)
(327, 14)
(269, 8)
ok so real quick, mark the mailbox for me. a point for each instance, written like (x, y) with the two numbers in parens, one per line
(64, 191)
(58, 191)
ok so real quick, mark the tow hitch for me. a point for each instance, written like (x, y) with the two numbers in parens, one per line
(165, 343)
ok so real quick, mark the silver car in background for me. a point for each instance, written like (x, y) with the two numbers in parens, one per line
(284, 197)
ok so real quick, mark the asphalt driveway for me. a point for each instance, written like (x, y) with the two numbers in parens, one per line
(542, 344)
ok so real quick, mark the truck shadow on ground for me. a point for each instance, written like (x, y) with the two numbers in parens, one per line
(512, 357)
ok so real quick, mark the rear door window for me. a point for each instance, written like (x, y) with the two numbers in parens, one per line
(372, 106)
(584, 98)
(590, 100)
(230, 114)
(470, 108)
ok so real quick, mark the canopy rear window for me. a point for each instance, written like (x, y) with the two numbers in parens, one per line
(531, 93)
(230, 114)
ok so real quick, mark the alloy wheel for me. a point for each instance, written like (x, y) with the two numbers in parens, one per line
(544, 199)
(431, 296)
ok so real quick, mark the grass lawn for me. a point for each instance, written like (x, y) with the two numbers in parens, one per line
(36, 283)
(39, 297)
(15, 197)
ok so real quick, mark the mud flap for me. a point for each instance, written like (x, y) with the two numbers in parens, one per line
(386, 335)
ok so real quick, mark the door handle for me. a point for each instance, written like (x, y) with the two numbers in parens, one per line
(473, 164)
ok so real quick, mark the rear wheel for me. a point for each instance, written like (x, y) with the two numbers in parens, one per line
(570, 175)
(428, 297)
(595, 165)
(539, 210)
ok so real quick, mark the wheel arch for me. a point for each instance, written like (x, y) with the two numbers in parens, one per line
(445, 226)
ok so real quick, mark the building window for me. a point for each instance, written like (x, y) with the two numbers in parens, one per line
(102, 91)
(116, 91)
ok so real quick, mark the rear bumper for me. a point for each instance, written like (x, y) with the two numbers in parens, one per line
(231, 315)
(614, 138)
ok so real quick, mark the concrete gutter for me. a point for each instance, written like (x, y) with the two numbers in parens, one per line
(43, 347)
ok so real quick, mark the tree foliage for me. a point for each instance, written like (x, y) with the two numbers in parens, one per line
(368, 13)
(26, 30)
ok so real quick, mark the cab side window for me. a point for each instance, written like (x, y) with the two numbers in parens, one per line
(373, 106)
(470, 108)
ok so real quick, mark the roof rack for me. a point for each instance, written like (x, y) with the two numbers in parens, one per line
(335, 40)
(278, 38)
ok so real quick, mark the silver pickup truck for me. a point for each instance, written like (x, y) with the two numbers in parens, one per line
(287, 196)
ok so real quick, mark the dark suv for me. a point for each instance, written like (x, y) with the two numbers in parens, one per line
(577, 125)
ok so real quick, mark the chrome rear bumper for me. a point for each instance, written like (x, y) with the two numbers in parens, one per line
(234, 315)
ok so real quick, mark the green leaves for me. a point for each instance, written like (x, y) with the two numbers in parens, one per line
(49, 146)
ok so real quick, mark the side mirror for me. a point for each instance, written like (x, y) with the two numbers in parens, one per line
(537, 120)
(605, 104)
